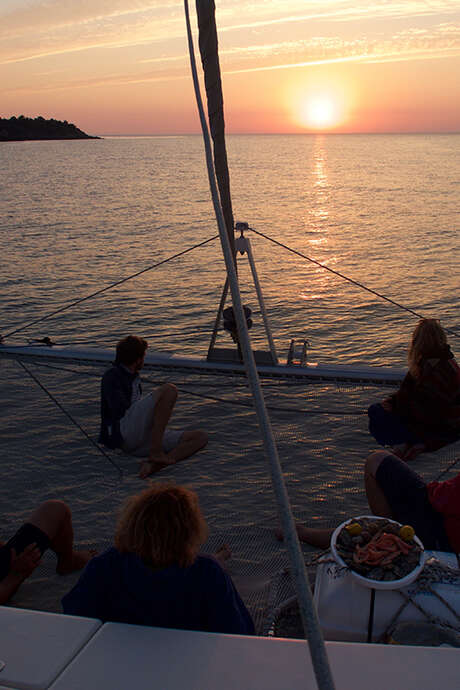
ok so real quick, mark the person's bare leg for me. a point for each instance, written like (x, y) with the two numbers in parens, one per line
(315, 536)
(55, 519)
(190, 443)
(375, 496)
(164, 405)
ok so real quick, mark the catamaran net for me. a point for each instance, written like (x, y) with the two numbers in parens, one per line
(322, 438)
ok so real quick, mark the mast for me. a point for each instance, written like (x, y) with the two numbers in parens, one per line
(210, 60)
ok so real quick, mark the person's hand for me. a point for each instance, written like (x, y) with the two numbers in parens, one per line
(24, 564)
(386, 404)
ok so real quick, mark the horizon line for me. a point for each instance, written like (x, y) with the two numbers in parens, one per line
(310, 133)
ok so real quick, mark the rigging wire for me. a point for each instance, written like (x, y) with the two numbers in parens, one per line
(341, 275)
(241, 403)
(238, 403)
(147, 336)
(109, 287)
(308, 613)
(56, 402)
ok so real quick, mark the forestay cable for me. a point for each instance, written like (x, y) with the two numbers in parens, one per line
(109, 287)
(341, 275)
(56, 402)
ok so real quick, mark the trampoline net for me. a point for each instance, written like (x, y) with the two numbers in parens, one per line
(322, 439)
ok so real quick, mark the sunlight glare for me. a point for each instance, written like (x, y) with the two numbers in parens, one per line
(320, 112)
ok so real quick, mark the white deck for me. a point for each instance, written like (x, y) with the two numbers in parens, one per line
(37, 646)
(121, 656)
(50, 651)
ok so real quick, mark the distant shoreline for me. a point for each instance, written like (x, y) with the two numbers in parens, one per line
(38, 129)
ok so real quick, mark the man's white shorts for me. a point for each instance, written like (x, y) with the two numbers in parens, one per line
(136, 428)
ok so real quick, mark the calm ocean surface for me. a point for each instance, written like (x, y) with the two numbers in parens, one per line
(383, 210)
(79, 215)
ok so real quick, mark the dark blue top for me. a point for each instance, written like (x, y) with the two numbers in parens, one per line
(116, 395)
(121, 588)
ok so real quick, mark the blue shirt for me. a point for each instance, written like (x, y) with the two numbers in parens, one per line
(121, 588)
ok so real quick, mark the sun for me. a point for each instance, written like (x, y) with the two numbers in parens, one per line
(320, 112)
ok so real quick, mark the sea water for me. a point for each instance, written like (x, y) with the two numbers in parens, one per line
(379, 209)
(78, 216)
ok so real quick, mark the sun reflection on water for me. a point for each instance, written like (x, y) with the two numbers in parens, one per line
(317, 221)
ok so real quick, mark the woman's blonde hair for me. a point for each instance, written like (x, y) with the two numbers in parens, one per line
(163, 525)
(428, 339)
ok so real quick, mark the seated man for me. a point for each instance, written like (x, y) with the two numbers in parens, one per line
(49, 527)
(137, 424)
(395, 491)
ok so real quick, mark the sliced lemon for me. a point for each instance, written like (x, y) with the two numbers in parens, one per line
(407, 533)
(354, 528)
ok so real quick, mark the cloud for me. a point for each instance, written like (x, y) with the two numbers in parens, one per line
(151, 33)
(52, 15)
(413, 44)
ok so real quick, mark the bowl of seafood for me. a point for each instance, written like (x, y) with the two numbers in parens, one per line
(380, 553)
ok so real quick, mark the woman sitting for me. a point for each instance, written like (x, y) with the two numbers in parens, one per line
(154, 575)
(424, 414)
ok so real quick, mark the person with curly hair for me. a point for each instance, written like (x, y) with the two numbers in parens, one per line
(154, 575)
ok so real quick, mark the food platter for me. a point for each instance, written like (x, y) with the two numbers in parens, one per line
(378, 525)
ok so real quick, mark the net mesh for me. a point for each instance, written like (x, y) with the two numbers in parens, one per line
(322, 438)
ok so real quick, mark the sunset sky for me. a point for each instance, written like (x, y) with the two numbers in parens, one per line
(122, 66)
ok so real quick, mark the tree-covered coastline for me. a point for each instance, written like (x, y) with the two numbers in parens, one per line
(26, 128)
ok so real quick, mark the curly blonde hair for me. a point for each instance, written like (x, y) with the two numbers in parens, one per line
(163, 525)
(428, 339)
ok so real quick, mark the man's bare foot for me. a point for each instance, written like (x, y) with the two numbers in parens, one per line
(148, 467)
(77, 561)
(223, 553)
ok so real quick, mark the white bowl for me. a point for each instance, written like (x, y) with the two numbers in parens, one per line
(367, 581)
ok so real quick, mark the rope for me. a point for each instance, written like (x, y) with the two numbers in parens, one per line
(350, 280)
(109, 287)
(56, 402)
(240, 403)
(309, 616)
